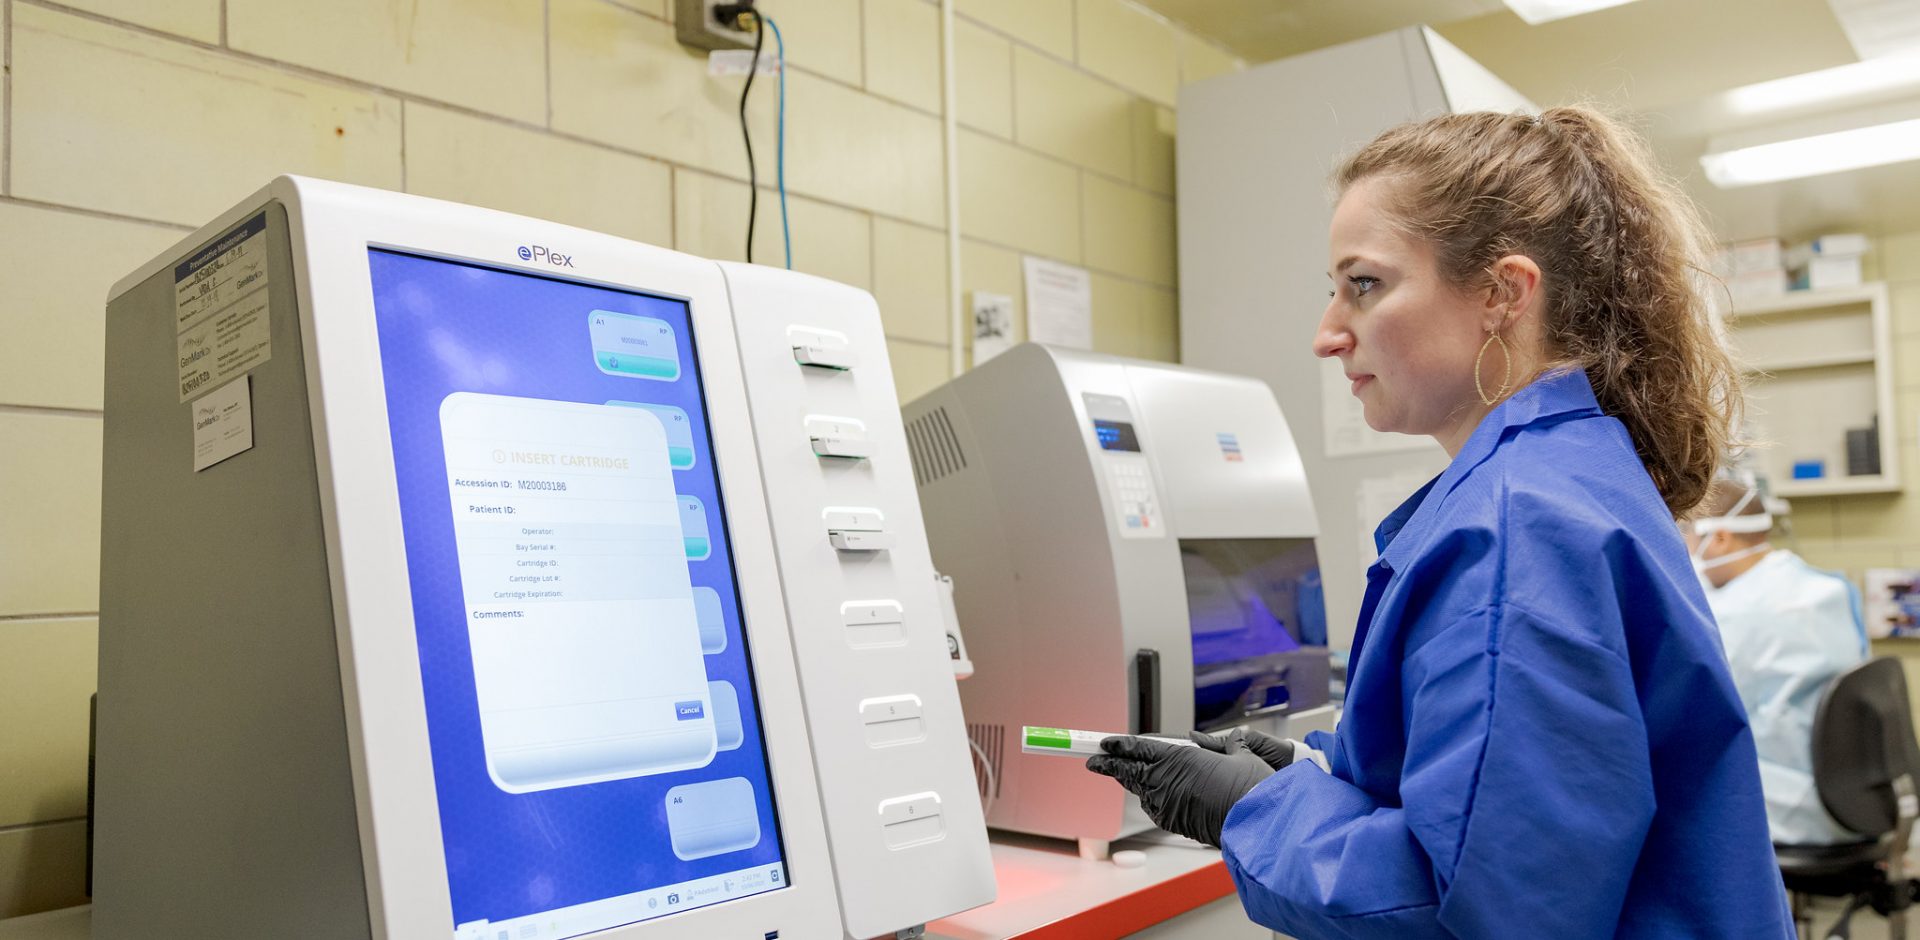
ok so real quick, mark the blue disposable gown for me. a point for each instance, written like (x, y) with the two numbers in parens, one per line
(1540, 737)
(1789, 629)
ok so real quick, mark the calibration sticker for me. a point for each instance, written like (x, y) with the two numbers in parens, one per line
(220, 306)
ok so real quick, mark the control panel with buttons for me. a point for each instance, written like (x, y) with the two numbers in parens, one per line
(883, 712)
(1133, 498)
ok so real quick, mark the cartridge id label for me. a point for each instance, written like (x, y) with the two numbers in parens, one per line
(220, 309)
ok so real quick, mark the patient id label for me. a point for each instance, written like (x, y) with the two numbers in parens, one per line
(220, 309)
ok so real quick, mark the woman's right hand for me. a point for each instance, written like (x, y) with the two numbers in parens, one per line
(1277, 752)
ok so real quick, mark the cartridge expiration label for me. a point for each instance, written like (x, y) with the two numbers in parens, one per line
(220, 309)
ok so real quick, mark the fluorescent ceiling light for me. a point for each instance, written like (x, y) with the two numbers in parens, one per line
(1536, 12)
(1861, 147)
(1846, 81)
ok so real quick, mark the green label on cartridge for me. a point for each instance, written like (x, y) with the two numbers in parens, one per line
(1049, 737)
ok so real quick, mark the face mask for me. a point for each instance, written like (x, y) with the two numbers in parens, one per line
(1734, 522)
(1702, 564)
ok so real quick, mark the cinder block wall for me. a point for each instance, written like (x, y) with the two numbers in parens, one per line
(128, 122)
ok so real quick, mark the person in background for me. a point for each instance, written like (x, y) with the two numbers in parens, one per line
(1541, 737)
(1789, 629)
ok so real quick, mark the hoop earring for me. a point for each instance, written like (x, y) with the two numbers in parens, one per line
(1506, 377)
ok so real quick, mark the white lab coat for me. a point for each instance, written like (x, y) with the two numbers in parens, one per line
(1789, 629)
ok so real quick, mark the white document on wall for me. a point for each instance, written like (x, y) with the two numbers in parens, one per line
(1059, 303)
(1378, 496)
(1343, 420)
(992, 325)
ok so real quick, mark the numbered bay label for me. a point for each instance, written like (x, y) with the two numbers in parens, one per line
(633, 346)
(679, 431)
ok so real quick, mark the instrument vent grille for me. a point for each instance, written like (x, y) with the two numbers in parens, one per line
(934, 447)
(990, 743)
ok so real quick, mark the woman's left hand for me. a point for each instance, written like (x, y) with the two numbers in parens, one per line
(1186, 790)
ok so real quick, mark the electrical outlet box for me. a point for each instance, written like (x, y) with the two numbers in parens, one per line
(697, 26)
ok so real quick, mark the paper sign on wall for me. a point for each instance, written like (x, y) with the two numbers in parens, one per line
(1059, 303)
(992, 325)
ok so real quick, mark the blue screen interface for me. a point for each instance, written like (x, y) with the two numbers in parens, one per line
(597, 752)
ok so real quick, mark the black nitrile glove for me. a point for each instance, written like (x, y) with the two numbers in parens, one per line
(1186, 790)
(1277, 752)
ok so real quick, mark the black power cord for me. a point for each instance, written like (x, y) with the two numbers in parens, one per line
(753, 184)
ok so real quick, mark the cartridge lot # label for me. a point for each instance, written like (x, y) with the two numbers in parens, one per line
(220, 309)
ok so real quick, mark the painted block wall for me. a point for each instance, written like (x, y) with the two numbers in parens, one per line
(128, 122)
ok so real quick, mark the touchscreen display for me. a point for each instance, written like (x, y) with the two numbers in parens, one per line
(597, 751)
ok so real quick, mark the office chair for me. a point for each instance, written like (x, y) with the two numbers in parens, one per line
(1865, 768)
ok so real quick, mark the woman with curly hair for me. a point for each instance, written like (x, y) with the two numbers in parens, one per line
(1541, 737)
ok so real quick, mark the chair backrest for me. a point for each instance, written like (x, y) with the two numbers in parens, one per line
(1862, 742)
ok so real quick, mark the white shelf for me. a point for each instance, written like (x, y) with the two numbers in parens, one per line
(1837, 486)
(1797, 301)
(1860, 358)
(1803, 411)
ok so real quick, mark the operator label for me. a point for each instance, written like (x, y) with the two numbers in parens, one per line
(221, 327)
(632, 346)
(588, 658)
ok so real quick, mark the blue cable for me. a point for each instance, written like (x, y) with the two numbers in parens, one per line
(780, 140)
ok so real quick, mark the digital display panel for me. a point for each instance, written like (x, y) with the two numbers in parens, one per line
(1116, 435)
(597, 752)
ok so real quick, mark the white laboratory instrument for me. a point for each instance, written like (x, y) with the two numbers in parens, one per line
(1132, 549)
(470, 576)
(1255, 150)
